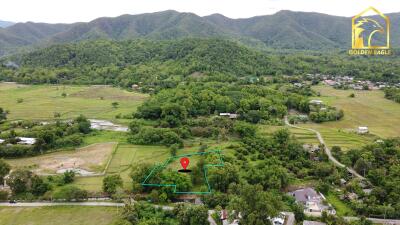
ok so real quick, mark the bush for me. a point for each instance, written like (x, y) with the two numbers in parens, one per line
(69, 193)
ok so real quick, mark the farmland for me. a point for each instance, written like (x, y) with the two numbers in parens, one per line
(66, 215)
(368, 108)
(40, 102)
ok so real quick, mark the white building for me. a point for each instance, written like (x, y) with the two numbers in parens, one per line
(2, 141)
(362, 130)
(230, 115)
(316, 102)
(26, 141)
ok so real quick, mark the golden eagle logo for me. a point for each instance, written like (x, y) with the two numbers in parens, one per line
(365, 30)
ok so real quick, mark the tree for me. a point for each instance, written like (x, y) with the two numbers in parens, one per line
(70, 193)
(39, 186)
(4, 170)
(191, 214)
(68, 176)
(244, 129)
(20, 181)
(254, 205)
(138, 174)
(3, 114)
(115, 105)
(111, 183)
(83, 124)
(221, 177)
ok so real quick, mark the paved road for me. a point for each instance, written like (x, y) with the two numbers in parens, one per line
(327, 150)
(374, 220)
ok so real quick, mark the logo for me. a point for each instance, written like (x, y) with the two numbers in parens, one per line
(370, 34)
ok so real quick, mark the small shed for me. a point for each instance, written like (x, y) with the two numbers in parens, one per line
(362, 130)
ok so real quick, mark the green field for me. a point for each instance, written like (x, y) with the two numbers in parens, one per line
(342, 209)
(127, 155)
(368, 108)
(58, 215)
(40, 102)
(303, 136)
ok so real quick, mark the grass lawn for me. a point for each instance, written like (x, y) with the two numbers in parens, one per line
(368, 108)
(301, 135)
(40, 102)
(341, 208)
(58, 215)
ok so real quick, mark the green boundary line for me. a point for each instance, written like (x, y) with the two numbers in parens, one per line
(170, 159)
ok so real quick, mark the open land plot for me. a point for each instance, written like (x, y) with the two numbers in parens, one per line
(127, 155)
(58, 215)
(303, 136)
(212, 160)
(368, 108)
(40, 102)
(124, 157)
(92, 158)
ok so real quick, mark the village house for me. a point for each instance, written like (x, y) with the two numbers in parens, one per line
(362, 130)
(312, 201)
(26, 141)
(2, 141)
(230, 115)
(311, 148)
(316, 102)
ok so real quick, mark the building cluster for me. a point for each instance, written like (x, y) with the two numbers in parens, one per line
(350, 83)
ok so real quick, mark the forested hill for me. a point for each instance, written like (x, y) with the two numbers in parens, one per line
(158, 62)
(212, 55)
(283, 30)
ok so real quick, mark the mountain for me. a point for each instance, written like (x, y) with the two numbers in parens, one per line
(283, 30)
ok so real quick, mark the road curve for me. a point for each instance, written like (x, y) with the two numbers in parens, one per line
(327, 150)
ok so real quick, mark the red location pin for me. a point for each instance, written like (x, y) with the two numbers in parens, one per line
(184, 162)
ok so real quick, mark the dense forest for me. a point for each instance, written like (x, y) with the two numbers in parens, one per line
(379, 162)
(154, 64)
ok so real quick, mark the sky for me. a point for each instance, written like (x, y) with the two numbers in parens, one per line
(69, 11)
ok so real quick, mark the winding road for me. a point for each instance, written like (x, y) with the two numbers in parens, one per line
(327, 150)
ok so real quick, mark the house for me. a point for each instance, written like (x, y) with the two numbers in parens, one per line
(330, 82)
(343, 182)
(2, 141)
(351, 196)
(135, 87)
(230, 115)
(26, 141)
(312, 201)
(309, 222)
(362, 130)
(279, 220)
(316, 102)
(311, 148)
(367, 191)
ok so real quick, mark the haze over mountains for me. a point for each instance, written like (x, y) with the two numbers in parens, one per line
(283, 30)
(5, 23)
